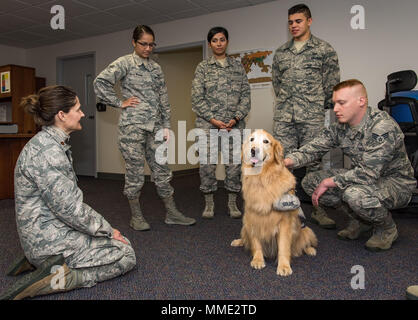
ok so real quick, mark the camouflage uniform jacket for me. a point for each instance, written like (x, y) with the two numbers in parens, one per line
(375, 147)
(138, 79)
(303, 80)
(51, 217)
(220, 92)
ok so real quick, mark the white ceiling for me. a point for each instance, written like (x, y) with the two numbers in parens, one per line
(26, 23)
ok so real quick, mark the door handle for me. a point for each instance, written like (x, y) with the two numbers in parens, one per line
(91, 117)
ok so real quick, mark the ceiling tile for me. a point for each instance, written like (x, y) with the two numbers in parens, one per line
(101, 19)
(104, 4)
(45, 42)
(189, 13)
(127, 25)
(168, 7)
(11, 6)
(23, 36)
(9, 22)
(27, 22)
(35, 2)
(134, 12)
(34, 14)
(216, 3)
(78, 26)
(65, 35)
(47, 31)
(14, 43)
(227, 5)
(72, 9)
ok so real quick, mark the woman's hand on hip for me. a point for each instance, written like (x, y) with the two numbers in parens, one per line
(131, 102)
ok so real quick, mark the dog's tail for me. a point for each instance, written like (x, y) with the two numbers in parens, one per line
(305, 240)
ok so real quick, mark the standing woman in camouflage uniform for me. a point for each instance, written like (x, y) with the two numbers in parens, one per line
(145, 111)
(221, 100)
(55, 227)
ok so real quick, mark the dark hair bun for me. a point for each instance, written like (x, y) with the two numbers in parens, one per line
(32, 106)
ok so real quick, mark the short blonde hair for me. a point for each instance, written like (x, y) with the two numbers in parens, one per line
(349, 84)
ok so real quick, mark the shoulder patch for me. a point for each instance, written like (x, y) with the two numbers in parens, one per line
(380, 138)
(381, 127)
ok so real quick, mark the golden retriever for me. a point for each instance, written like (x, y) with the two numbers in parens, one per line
(265, 231)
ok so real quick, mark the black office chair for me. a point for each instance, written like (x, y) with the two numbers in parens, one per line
(402, 104)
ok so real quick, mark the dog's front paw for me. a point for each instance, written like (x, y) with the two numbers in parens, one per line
(311, 251)
(284, 270)
(237, 243)
(258, 263)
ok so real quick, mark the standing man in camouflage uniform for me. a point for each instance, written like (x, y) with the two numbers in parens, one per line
(304, 71)
(145, 111)
(55, 227)
(381, 177)
(221, 101)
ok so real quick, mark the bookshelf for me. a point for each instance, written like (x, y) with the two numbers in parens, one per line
(16, 83)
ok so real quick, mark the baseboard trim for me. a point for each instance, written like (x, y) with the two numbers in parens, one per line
(110, 176)
(121, 176)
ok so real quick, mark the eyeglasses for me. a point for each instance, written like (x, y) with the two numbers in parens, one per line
(146, 44)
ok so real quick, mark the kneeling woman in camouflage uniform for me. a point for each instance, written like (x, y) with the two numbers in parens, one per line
(55, 227)
(145, 111)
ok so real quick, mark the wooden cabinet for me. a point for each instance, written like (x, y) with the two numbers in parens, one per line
(10, 147)
(16, 82)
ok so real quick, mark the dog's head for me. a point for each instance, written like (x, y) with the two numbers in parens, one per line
(261, 149)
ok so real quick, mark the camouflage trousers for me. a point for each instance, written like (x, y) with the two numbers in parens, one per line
(229, 144)
(369, 202)
(136, 145)
(124, 261)
(97, 258)
(293, 135)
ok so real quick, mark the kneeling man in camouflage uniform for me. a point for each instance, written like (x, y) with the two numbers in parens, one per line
(381, 177)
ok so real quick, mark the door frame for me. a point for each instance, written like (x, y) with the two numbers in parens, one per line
(59, 79)
(185, 46)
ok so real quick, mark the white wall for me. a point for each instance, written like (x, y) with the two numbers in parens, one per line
(12, 55)
(387, 44)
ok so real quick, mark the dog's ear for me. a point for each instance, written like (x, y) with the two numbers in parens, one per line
(278, 152)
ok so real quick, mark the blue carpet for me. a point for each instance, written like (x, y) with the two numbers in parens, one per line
(197, 262)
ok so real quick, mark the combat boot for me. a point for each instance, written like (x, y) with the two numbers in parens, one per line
(208, 212)
(138, 221)
(319, 216)
(19, 265)
(45, 280)
(412, 293)
(354, 228)
(232, 206)
(353, 231)
(384, 234)
(174, 216)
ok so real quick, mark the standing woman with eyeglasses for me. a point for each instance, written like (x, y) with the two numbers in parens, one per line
(145, 111)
